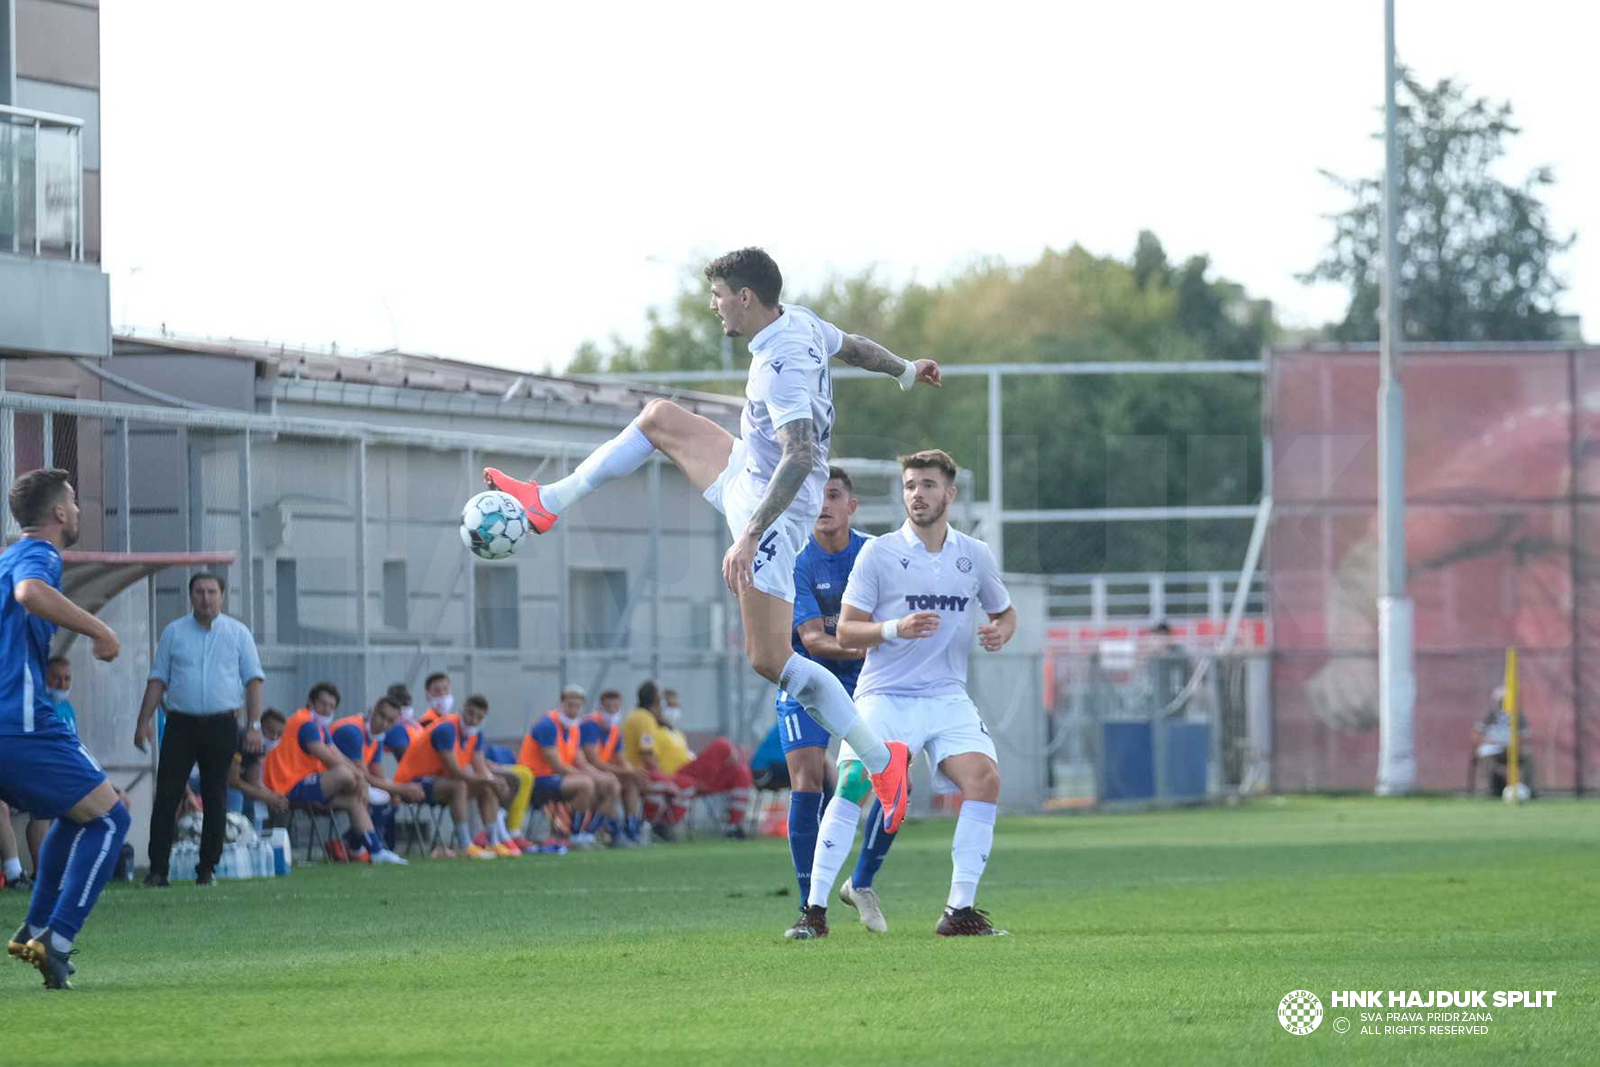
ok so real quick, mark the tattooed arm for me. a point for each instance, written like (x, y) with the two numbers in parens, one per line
(799, 459)
(868, 354)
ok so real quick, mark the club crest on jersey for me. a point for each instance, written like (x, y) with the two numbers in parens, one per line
(905, 564)
(932, 602)
(964, 565)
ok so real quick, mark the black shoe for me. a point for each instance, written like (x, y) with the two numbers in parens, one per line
(56, 966)
(813, 923)
(204, 877)
(22, 881)
(966, 922)
(735, 833)
(155, 881)
(17, 947)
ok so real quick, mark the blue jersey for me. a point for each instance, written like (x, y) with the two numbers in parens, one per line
(25, 705)
(819, 581)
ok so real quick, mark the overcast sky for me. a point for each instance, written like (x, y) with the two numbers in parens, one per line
(500, 181)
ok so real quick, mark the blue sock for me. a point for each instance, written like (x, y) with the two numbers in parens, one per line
(373, 842)
(805, 813)
(633, 826)
(383, 822)
(613, 827)
(593, 822)
(92, 856)
(353, 839)
(53, 856)
(873, 849)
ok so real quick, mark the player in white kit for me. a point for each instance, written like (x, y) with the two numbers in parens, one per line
(767, 482)
(913, 603)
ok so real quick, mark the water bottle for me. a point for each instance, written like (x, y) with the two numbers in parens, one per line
(185, 858)
(282, 853)
(265, 860)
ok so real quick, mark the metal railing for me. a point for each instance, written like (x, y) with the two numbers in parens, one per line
(41, 184)
(1151, 597)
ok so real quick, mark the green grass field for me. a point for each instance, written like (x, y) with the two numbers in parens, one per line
(1163, 938)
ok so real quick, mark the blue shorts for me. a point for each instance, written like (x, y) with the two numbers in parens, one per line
(546, 789)
(426, 782)
(499, 754)
(307, 790)
(45, 774)
(796, 728)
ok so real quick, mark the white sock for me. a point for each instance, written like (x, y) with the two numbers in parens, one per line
(13, 869)
(969, 852)
(835, 836)
(617, 458)
(500, 827)
(59, 943)
(824, 697)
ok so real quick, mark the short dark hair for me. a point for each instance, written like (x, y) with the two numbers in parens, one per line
(434, 677)
(748, 268)
(648, 695)
(478, 700)
(323, 687)
(53, 660)
(274, 715)
(399, 694)
(1161, 628)
(935, 458)
(37, 492)
(611, 694)
(385, 699)
(207, 576)
(839, 474)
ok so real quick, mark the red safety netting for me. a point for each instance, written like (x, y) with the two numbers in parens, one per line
(1502, 541)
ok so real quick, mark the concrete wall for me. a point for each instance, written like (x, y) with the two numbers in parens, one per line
(52, 307)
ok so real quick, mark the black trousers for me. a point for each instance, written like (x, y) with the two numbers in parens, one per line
(210, 741)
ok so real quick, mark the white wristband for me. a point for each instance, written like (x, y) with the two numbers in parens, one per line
(256, 726)
(890, 630)
(908, 377)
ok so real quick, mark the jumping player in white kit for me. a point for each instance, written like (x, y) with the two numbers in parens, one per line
(768, 483)
(912, 603)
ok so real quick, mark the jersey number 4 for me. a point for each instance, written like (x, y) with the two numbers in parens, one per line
(768, 549)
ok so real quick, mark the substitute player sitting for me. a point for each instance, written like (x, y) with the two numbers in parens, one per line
(820, 576)
(913, 603)
(619, 785)
(767, 482)
(550, 750)
(306, 767)
(442, 759)
(360, 739)
(43, 768)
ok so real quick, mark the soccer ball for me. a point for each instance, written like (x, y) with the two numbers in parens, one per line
(1514, 793)
(493, 524)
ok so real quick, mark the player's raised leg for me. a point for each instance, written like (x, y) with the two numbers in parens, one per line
(978, 778)
(767, 625)
(697, 445)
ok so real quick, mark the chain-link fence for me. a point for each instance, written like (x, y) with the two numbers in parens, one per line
(348, 567)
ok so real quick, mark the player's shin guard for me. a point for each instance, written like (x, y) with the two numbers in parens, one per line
(617, 458)
(969, 851)
(874, 847)
(825, 698)
(88, 869)
(805, 813)
(834, 838)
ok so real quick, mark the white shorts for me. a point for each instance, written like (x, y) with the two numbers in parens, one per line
(941, 726)
(736, 494)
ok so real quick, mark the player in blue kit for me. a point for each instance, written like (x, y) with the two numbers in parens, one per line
(44, 770)
(820, 574)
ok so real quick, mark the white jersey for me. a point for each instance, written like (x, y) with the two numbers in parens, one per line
(789, 380)
(895, 575)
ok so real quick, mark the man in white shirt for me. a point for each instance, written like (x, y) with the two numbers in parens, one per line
(768, 482)
(913, 603)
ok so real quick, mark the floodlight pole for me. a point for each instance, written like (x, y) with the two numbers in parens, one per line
(1397, 683)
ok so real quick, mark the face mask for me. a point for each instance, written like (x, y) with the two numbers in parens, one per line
(671, 715)
(474, 731)
(444, 703)
(326, 720)
(58, 695)
(268, 744)
(408, 713)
